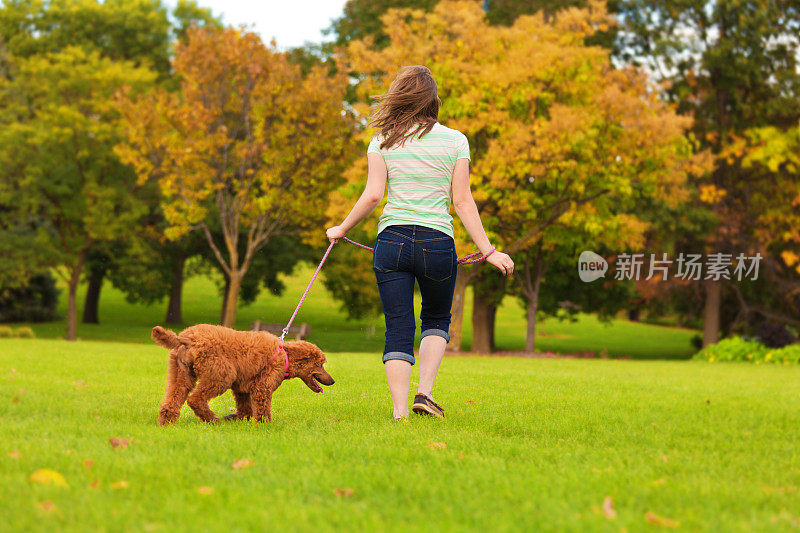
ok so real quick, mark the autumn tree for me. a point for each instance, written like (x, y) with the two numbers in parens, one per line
(247, 144)
(733, 65)
(772, 151)
(560, 138)
(60, 174)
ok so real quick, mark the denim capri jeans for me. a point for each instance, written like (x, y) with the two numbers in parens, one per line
(403, 254)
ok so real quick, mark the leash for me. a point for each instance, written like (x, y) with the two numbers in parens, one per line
(466, 260)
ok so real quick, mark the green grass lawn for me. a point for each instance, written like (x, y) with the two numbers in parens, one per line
(121, 321)
(529, 445)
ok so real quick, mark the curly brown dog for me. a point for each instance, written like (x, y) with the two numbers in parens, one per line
(249, 363)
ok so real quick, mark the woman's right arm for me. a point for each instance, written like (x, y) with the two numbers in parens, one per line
(369, 200)
(467, 211)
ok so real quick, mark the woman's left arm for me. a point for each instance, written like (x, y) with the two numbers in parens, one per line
(370, 198)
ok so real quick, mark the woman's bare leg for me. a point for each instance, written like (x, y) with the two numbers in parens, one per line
(431, 352)
(398, 374)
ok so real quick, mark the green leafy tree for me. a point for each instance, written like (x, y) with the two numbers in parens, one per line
(187, 14)
(132, 30)
(59, 129)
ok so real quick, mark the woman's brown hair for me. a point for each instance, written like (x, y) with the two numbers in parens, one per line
(412, 100)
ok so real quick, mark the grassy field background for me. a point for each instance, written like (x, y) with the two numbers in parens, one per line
(125, 322)
(528, 444)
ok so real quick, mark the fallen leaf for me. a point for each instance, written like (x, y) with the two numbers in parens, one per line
(664, 458)
(21, 392)
(47, 507)
(471, 402)
(205, 491)
(14, 400)
(660, 520)
(120, 485)
(601, 470)
(48, 477)
(333, 419)
(118, 443)
(95, 484)
(79, 384)
(68, 452)
(460, 455)
(14, 454)
(242, 463)
(660, 481)
(608, 508)
(344, 492)
(436, 445)
(13, 370)
(87, 464)
(780, 490)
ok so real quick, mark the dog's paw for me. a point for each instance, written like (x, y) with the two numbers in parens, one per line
(167, 417)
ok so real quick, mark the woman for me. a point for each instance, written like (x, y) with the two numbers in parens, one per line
(424, 161)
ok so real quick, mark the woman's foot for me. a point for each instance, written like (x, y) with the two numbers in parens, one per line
(424, 405)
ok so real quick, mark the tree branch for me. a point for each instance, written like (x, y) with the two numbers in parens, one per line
(214, 248)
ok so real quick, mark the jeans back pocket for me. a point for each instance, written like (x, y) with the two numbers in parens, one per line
(438, 263)
(386, 255)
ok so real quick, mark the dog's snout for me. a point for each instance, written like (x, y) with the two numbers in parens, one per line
(333, 381)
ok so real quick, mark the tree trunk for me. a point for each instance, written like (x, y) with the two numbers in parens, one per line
(92, 303)
(225, 292)
(481, 321)
(530, 330)
(232, 298)
(711, 312)
(72, 311)
(174, 307)
(531, 281)
(72, 303)
(457, 310)
(490, 326)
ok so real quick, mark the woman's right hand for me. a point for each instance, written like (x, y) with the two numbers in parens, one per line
(335, 233)
(501, 261)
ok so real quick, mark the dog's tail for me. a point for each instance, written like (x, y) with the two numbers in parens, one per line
(167, 338)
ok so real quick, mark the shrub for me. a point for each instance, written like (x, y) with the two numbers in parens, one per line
(775, 335)
(733, 349)
(5, 332)
(696, 341)
(35, 302)
(786, 355)
(24, 333)
(740, 349)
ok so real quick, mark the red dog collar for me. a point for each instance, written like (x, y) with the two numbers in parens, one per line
(285, 359)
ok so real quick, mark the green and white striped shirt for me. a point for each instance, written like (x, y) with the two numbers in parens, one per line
(420, 178)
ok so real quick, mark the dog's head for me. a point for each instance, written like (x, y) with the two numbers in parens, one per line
(305, 362)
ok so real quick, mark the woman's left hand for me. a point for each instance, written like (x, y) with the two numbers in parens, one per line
(335, 233)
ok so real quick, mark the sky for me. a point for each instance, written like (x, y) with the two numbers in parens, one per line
(290, 22)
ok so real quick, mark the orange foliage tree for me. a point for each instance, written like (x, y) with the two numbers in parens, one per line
(247, 146)
(561, 140)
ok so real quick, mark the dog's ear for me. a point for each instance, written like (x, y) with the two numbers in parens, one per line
(303, 350)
